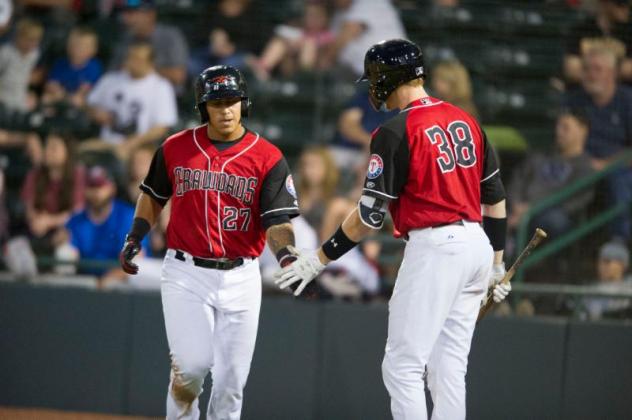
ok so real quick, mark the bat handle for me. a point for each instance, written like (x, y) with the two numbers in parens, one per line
(538, 237)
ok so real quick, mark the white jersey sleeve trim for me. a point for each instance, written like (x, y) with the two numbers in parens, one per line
(490, 175)
(281, 209)
(380, 193)
(154, 193)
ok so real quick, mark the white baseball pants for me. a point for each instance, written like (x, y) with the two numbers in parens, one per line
(211, 318)
(432, 314)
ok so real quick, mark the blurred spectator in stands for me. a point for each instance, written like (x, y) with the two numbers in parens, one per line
(449, 9)
(102, 9)
(356, 274)
(357, 121)
(28, 141)
(6, 11)
(4, 214)
(317, 179)
(135, 106)
(169, 45)
(158, 235)
(295, 48)
(543, 174)
(51, 12)
(72, 77)
(352, 277)
(238, 32)
(609, 109)
(613, 262)
(137, 168)
(451, 82)
(98, 232)
(357, 25)
(612, 20)
(17, 61)
(607, 103)
(52, 192)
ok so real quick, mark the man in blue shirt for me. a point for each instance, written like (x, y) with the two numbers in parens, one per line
(609, 108)
(356, 123)
(98, 232)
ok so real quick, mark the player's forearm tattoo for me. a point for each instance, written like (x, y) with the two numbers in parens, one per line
(280, 236)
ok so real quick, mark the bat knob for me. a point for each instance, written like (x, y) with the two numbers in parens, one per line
(541, 233)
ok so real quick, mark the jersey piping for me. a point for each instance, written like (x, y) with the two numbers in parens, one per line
(154, 193)
(490, 175)
(208, 163)
(219, 199)
(280, 209)
(380, 193)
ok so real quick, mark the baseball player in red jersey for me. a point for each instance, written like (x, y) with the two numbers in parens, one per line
(433, 168)
(230, 190)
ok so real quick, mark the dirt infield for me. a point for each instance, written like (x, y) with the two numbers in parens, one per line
(9, 413)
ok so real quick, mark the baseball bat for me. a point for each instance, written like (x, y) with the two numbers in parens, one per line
(538, 236)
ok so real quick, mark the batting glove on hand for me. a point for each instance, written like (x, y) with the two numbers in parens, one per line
(499, 291)
(129, 251)
(304, 269)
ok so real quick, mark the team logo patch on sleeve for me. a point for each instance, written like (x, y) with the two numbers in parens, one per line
(289, 186)
(376, 166)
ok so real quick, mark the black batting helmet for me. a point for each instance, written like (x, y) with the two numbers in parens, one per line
(390, 64)
(219, 82)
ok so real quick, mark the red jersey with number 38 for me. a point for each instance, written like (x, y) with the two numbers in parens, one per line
(433, 163)
(222, 194)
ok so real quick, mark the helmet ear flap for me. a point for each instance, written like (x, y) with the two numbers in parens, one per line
(245, 107)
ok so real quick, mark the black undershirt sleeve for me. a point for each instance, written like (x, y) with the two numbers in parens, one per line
(388, 164)
(157, 184)
(278, 202)
(492, 188)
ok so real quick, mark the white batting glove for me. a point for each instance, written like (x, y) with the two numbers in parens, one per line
(497, 274)
(306, 267)
(499, 291)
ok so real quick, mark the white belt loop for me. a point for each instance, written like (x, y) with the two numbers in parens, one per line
(188, 258)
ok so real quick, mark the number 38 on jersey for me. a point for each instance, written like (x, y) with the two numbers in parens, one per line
(456, 146)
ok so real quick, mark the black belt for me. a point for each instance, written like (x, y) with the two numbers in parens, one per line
(458, 222)
(210, 263)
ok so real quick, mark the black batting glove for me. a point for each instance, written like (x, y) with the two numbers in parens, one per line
(130, 250)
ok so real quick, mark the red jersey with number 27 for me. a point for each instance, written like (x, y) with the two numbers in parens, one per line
(433, 163)
(222, 198)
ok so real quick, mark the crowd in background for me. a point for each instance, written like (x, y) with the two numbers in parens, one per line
(88, 89)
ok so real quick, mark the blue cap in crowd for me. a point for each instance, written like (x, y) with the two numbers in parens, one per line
(616, 251)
